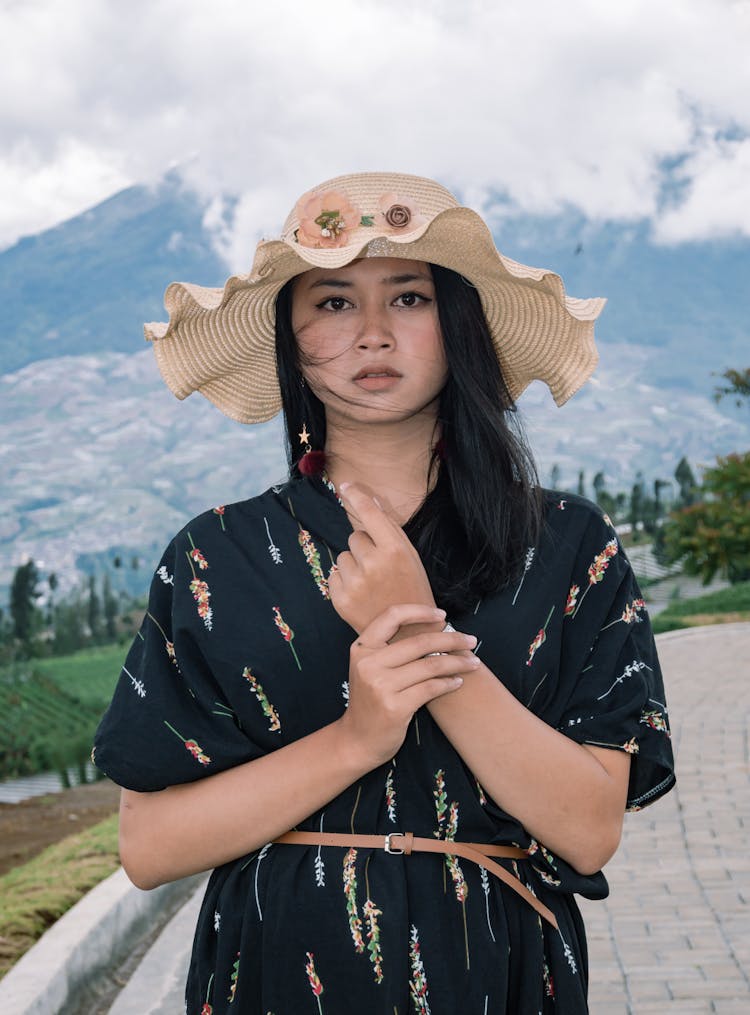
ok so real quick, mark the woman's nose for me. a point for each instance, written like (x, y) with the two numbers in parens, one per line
(375, 331)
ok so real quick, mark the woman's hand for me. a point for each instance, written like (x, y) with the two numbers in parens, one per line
(389, 682)
(381, 568)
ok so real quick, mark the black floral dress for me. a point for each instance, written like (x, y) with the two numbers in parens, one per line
(241, 652)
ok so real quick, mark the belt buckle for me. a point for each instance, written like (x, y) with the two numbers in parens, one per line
(388, 848)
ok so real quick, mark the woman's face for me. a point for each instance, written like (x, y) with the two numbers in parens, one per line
(369, 338)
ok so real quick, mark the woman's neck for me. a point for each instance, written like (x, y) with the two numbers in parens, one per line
(388, 462)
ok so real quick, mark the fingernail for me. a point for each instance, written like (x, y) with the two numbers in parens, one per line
(472, 639)
(439, 613)
(378, 502)
(344, 486)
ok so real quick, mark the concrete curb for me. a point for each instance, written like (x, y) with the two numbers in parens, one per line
(158, 983)
(93, 936)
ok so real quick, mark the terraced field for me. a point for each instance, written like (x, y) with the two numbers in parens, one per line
(49, 709)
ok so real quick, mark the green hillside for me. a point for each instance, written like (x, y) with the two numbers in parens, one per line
(49, 709)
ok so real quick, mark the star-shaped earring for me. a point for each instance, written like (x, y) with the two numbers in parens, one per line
(304, 437)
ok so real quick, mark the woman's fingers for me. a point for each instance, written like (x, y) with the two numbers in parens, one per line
(368, 514)
(430, 644)
(384, 627)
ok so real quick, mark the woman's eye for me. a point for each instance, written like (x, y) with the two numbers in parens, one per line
(333, 303)
(411, 300)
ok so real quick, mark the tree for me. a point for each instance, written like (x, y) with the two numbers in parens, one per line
(69, 627)
(714, 535)
(581, 491)
(94, 611)
(599, 483)
(110, 608)
(637, 499)
(738, 386)
(686, 482)
(555, 477)
(23, 596)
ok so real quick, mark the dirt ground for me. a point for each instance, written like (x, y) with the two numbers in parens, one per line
(28, 827)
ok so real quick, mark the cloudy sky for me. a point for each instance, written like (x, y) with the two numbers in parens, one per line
(627, 110)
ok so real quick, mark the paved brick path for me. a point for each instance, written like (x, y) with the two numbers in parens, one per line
(674, 936)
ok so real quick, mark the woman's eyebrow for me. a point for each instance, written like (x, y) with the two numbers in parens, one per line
(334, 283)
(403, 279)
(340, 283)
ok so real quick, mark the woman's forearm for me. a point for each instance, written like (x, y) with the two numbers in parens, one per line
(569, 797)
(193, 827)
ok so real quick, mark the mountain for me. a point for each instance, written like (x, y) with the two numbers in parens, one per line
(89, 284)
(99, 460)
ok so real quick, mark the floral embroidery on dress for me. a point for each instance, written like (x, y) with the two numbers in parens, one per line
(572, 599)
(418, 982)
(350, 891)
(656, 721)
(168, 645)
(598, 566)
(371, 914)
(540, 638)
(631, 746)
(629, 614)
(165, 576)
(220, 510)
(234, 978)
(274, 725)
(138, 687)
(390, 795)
(202, 594)
(272, 548)
(195, 554)
(526, 565)
(207, 1008)
(460, 886)
(313, 979)
(260, 859)
(486, 889)
(191, 745)
(286, 633)
(635, 667)
(320, 868)
(313, 562)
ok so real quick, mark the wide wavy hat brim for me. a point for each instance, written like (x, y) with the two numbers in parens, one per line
(221, 342)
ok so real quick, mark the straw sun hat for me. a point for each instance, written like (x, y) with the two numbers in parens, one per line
(221, 342)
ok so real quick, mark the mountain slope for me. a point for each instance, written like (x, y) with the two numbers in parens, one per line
(89, 284)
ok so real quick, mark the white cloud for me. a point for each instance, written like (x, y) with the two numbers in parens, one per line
(581, 104)
(716, 201)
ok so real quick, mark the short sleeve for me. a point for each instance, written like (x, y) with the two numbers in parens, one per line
(617, 698)
(169, 721)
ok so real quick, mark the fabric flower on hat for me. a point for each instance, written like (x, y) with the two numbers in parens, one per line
(397, 213)
(325, 220)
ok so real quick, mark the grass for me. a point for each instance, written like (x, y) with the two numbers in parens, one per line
(35, 895)
(726, 605)
(89, 675)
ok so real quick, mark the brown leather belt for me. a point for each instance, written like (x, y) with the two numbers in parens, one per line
(478, 852)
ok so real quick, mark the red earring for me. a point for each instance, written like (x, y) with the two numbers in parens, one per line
(312, 462)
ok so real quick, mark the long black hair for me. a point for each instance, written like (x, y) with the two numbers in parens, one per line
(484, 510)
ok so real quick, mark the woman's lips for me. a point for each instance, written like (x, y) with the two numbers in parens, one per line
(376, 379)
(377, 382)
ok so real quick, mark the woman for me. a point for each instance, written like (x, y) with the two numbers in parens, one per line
(401, 702)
